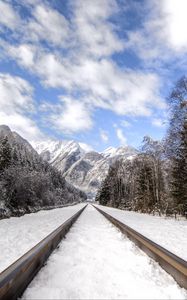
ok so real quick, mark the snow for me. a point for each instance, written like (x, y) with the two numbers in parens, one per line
(96, 261)
(111, 151)
(20, 234)
(59, 148)
(126, 151)
(87, 148)
(48, 145)
(170, 233)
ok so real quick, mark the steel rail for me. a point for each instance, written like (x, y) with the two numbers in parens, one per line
(15, 279)
(171, 263)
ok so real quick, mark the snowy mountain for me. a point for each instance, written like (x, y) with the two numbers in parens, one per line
(82, 168)
(27, 183)
(61, 154)
(90, 170)
(125, 151)
(22, 146)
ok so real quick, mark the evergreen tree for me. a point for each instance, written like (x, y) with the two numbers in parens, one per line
(154, 151)
(144, 196)
(103, 194)
(179, 175)
(27, 183)
(177, 145)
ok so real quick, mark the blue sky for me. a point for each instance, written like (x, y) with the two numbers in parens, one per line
(95, 71)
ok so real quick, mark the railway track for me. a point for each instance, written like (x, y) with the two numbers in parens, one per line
(15, 279)
(172, 264)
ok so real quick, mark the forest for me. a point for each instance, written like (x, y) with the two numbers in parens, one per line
(155, 181)
(28, 183)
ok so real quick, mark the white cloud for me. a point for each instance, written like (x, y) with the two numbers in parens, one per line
(48, 24)
(73, 117)
(158, 122)
(15, 94)
(9, 17)
(121, 137)
(176, 22)
(25, 54)
(102, 82)
(21, 124)
(53, 71)
(89, 39)
(162, 35)
(105, 85)
(15, 101)
(96, 35)
(104, 136)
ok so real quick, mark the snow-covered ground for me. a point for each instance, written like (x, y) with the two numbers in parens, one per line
(167, 232)
(18, 235)
(96, 261)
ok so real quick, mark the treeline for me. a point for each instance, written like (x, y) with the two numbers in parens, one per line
(155, 181)
(28, 183)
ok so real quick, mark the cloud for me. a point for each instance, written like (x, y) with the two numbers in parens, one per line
(95, 33)
(121, 137)
(76, 55)
(102, 82)
(15, 101)
(9, 18)
(16, 94)
(158, 122)
(25, 54)
(162, 35)
(104, 136)
(73, 117)
(21, 124)
(174, 17)
(47, 25)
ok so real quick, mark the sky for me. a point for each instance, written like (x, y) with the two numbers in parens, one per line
(94, 71)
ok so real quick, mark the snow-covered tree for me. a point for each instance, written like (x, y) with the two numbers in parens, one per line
(177, 145)
(27, 182)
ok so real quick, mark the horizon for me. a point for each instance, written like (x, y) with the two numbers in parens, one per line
(85, 147)
(98, 74)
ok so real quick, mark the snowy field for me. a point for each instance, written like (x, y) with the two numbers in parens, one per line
(167, 232)
(18, 235)
(96, 261)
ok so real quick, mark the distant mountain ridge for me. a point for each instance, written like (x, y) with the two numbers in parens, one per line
(27, 182)
(15, 138)
(23, 147)
(81, 167)
(84, 169)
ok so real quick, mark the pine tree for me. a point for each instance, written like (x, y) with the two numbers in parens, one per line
(177, 145)
(144, 194)
(179, 175)
(103, 195)
(154, 151)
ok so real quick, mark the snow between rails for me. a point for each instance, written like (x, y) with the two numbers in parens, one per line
(96, 261)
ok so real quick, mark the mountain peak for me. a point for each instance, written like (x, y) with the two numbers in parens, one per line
(81, 166)
(5, 129)
(109, 151)
(121, 151)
